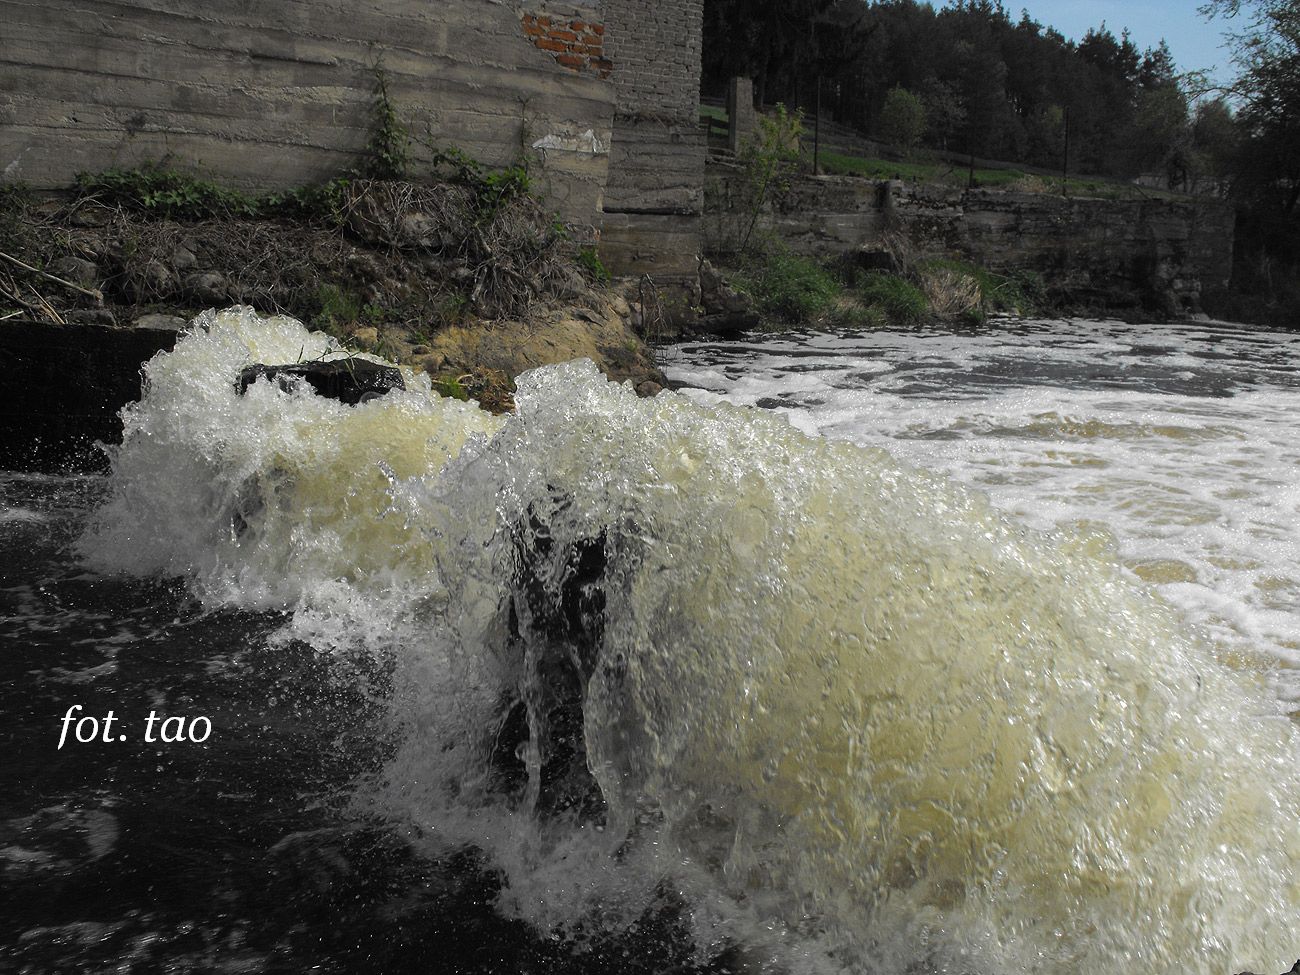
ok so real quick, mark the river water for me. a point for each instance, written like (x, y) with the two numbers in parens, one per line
(966, 652)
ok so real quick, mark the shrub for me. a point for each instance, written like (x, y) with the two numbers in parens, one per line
(787, 287)
(902, 302)
(902, 119)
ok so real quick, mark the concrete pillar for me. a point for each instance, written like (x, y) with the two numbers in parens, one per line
(740, 111)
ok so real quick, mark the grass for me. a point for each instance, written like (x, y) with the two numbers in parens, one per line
(950, 174)
(790, 289)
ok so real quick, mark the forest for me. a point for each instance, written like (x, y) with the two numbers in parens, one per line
(970, 77)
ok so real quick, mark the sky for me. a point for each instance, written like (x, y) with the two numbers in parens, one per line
(1193, 40)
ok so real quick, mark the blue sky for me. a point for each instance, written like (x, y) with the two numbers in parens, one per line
(1192, 39)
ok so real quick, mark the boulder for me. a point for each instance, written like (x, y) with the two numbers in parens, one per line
(350, 381)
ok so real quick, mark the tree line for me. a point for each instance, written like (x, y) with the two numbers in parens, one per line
(970, 77)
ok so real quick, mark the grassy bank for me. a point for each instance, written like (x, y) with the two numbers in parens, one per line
(792, 290)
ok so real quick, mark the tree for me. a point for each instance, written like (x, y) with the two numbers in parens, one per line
(902, 120)
(1266, 54)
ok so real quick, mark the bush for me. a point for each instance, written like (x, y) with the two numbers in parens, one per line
(789, 288)
(902, 302)
(160, 191)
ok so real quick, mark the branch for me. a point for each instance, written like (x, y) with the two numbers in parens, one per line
(96, 294)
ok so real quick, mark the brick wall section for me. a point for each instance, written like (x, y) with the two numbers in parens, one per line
(654, 197)
(578, 45)
(267, 96)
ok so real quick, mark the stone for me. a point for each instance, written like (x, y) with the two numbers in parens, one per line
(208, 288)
(351, 381)
(733, 310)
(430, 362)
(157, 280)
(161, 323)
(649, 388)
(366, 338)
(183, 259)
(90, 316)
(76, 270)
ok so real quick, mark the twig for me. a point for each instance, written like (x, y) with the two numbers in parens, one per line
(97, 295)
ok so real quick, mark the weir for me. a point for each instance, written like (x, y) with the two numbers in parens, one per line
(853, 714)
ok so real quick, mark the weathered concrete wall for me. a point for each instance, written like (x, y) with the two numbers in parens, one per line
(1159, 251)
(277, 94)
(654, 197)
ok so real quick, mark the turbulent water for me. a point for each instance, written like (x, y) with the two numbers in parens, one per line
(853, 715)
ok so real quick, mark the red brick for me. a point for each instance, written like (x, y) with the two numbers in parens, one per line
(532, 30)
(590, 38)
(598, 29)
(570, 60)
(563, 35)
(544, 21)
(578, 25)
(591, 50)
(546, 44)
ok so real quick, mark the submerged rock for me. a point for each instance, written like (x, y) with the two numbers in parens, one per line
(350, 381)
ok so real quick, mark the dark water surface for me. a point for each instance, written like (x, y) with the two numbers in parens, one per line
(235, 855)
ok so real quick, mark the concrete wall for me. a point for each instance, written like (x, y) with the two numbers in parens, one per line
(1158, 251)
(270, 95)
(655, 197)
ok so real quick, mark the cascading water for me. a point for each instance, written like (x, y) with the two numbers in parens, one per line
(856, 718)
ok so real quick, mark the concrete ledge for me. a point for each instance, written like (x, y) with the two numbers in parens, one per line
(61, 387)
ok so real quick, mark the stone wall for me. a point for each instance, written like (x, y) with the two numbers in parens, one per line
(278, 94)
(654, 197)
(1160, 252)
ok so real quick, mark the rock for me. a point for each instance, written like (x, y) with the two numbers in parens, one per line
(351, 381)
(183, 259)
(366, 338)
(90, 316)
(162, 323)
(76, 270)
(420, 350)
(719, 298)
(208, 288)
(418, 230)
(157, 280)
(648, 389)
(621, 308)
(430, 362)
(91, 215)
(570, 285)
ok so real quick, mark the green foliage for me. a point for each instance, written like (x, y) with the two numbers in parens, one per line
(788, 287)
(902, 119)
(327, 201)
(389, 151)
(902, 302)
(493, 188)
(336, 309)
(451, 386)
(769, 163)
(161, 191)
(589, 260)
